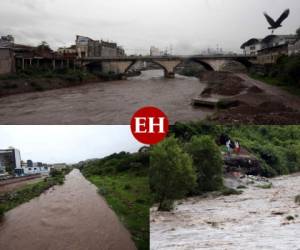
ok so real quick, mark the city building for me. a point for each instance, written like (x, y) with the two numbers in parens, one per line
(270, 48)
(59, 166)
(87, 47)
(294, 49)
(252, 46)
(37, 169)
(68, 50)
(10, 161)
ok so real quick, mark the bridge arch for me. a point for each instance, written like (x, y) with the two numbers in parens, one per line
(151, 61)
(205, 64)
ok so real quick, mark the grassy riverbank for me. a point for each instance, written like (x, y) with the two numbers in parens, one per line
(15, 198)
(284, 74)
(128, 196)
(33, 80)
(123, 180)
(295, 90)
(278, 147)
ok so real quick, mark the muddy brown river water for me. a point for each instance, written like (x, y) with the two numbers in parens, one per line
(111, 103)
(68, 217)
(254, 220)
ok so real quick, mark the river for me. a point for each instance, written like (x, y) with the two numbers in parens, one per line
(111, 103)
(68, 217)
(255, 219)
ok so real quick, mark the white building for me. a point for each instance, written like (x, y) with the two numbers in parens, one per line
(10, 158)
(37, 170)
(252, 46)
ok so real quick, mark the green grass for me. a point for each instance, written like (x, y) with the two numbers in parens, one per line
(15, 198)
(129, 196)
(292, 89)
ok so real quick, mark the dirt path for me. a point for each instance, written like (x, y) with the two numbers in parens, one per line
(254, 220)
(68, 217)
(282, 96)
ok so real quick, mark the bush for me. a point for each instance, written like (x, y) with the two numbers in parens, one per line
(208, 163)
(171, 173)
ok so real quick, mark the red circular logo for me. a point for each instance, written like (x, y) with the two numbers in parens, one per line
(149, 125)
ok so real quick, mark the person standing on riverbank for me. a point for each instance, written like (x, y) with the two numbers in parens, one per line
(228, 146)
(237, 147)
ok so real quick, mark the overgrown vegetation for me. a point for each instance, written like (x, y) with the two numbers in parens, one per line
(42, 79)
(285, 73)
(172, 175)
(13, 199)
(277, 147)
(123, 180)
(72, 75)
(186, 167)
(208, 163)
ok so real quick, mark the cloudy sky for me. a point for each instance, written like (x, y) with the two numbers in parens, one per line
(187, 25)
(70, 144)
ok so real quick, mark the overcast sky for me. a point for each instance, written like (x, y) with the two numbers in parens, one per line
(70, 144)
(188, 25)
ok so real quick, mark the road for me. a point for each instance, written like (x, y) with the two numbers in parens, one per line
(68, 217)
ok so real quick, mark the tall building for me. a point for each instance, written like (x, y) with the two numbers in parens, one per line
(87, 47)
(10, 159)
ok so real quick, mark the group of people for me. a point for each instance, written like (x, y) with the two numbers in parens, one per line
(233, 147)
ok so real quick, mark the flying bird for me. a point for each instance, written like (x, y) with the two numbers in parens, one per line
(277, 24)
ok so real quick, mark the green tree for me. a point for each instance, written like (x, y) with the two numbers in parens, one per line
(208, 162)
(171, 173)
(44, 46)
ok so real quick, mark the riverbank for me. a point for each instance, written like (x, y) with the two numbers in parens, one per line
(128, 196)
(257, 219)
(123, 180)
(12, 199)
(248, 101)
(293, 89)
(38, 81)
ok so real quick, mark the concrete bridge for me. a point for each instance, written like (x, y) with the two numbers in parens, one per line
(121, 65)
